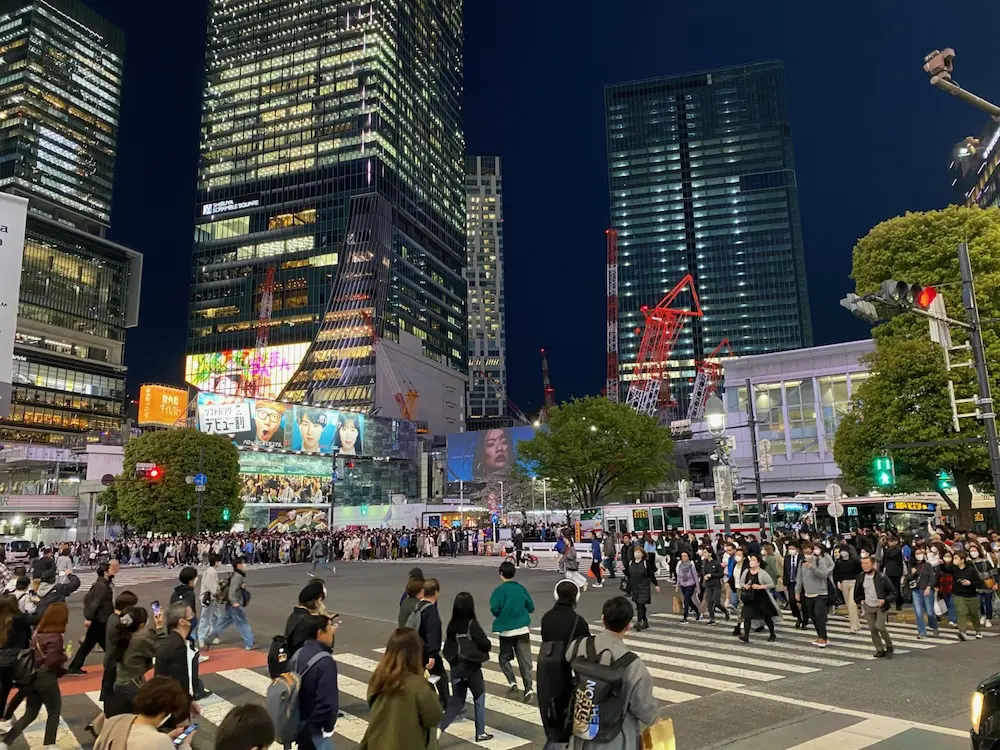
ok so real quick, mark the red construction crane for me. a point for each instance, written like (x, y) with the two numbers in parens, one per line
(258, 366)
(611, 386)
(548, 391)
(707, 380)
(649, 389)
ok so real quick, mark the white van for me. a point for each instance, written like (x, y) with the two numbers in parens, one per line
(17, 551)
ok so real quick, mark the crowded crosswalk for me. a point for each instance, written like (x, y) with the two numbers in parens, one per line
(687, 662)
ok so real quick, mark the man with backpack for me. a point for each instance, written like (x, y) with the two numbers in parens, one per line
(320, 556)
(561, 626)
(613, 690)
(511, 605)
(304, 701)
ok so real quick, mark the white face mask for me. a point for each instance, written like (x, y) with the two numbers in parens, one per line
(921, 558)
(844, 555)
(739, 558)
(973, 553)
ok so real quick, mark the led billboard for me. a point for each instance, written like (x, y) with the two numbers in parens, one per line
(261, 423)
(484, 454)
(228, 373)
(298, 519)
(161, 405)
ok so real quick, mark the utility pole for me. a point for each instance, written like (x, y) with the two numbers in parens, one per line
(199, 493)
(752, 421)
(985, 400)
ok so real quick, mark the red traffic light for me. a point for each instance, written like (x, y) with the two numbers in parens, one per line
(154, 473)
(926, 297)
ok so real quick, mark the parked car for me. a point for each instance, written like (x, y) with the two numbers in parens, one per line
(985, 715)
(17, 551)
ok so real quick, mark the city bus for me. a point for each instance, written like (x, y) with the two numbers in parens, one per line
(908, 514)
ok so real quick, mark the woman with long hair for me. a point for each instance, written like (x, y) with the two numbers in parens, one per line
(466, 647)
(50, 660)
(131, 657)
(405, 710)
(156, 702)
(15, 635)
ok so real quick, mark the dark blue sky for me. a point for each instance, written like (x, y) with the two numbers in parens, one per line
(872, 140)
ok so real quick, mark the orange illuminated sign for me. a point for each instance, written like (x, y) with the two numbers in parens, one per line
(161, 405)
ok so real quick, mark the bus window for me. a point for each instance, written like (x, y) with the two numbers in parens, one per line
(734, 518)
(750, 512)
(657, 518)
(640, 520)
(699, 521)
(674, 517)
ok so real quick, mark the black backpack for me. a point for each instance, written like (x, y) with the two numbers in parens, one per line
(277, 656)
(554, 680)
(598, 699)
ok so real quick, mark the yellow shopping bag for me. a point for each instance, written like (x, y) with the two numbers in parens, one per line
(660, 736)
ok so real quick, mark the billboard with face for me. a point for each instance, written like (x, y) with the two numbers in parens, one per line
(255, 422)
(484, 454)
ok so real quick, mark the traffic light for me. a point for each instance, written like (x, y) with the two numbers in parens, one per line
(154, 473)
(925, 298)
(149, 472)
(225, 514)
(945, 481)
(884, 471)
(189, 514)
(900, 296)
(364, 509)
(860, 307)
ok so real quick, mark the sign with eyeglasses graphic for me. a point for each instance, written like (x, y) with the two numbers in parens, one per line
(261, 423)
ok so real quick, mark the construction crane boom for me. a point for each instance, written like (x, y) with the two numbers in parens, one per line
(648, 392)
(548, 392)
(707, 380)
(611, 386)
(502, 394)
(258, 365)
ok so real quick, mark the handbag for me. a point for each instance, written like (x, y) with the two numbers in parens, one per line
(940, 607)
(746, 595)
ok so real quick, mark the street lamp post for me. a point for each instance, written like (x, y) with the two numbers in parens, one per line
(715, 418)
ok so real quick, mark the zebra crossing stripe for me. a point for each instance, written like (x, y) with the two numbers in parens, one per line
(631, 641)
(34, 733)
(699, 666)
(521, 711)
(349, 727)
(857, 736)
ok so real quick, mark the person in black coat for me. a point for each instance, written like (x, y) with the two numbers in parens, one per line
(641, 582)
(791, 568)
(466, 647)
(97, 608)
(430, 634)
(561, 625)
(173, 656)
(892, 566)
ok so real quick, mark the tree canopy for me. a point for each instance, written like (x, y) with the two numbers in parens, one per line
(163, 504)
(905, 399)
(594, 449)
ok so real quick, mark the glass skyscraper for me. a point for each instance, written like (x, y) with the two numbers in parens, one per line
(702, 182)
(332, 166)
(60, 88)
(487, 313)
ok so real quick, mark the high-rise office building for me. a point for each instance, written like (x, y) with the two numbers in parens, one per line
(331, 182)
(59, 100)
(484, 275)
(975, 177)
(702, 182)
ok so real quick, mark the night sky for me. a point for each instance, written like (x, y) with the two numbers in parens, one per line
(872, 140)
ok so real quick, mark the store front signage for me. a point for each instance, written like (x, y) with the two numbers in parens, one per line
(911, 506)
(224, 207)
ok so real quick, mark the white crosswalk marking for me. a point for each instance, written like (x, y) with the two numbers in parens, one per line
(855, 737)
(34, 733)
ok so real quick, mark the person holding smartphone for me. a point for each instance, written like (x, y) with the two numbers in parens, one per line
(158, 701)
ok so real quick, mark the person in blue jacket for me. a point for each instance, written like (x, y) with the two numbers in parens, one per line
(596, 552)
(319, 697)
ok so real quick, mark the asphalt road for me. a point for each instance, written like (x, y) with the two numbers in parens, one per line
(719, 692)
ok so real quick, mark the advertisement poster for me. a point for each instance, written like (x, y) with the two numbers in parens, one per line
(484, 454)
(229, 373)
(13, 210)
(161, 405)
(260, 423)
(281, 478)
(298, 519)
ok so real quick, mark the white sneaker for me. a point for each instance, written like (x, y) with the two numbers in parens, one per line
(202, 659)
(216, 641)
(982, 619)
(988, 624)
(5, 726)
(601, 586)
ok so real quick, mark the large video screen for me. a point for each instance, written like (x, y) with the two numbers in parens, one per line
(260, 423)
(230, 372)
(484, 454)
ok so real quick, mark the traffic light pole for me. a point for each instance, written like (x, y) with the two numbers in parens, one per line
(199, 493)
(762, 514)
(985, 400)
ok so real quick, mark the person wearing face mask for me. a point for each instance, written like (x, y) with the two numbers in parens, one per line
(687, 582)
(641, 582)
(711, 584)
(740, 566)
(755, 593)
(945, 584)
(811, 589)
(922, 580)
(892, 566)
(846, 569)
(966, 595)
(790, 575)
(985, 564)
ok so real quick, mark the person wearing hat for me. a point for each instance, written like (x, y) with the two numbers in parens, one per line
(312, 600)
(561, 625)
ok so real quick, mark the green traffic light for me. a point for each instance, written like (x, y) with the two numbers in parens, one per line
(225, 514)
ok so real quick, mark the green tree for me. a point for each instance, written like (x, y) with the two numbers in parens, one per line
(905, 399)
(163, 504)
(594, 449)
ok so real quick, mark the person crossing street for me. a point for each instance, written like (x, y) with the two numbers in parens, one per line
(97, 608)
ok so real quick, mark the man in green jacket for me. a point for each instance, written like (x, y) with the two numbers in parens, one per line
(512, 606)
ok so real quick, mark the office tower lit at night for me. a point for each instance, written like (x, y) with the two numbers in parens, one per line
(59, 102)
(702, 182)
(332, 177)
(487, 314)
